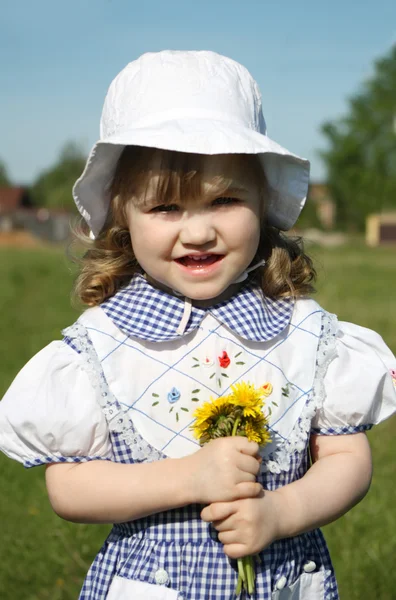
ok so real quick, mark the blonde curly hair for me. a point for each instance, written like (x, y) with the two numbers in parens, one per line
(109, 261)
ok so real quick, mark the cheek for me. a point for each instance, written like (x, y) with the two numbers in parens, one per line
(246, 232)
(139, 236)
(149, 238)
(254, 225)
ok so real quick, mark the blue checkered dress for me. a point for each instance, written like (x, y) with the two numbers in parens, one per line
(178, 541)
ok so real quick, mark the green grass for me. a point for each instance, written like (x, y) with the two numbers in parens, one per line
(43, 557)
(359, 285)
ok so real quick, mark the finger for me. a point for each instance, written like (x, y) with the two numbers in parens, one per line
(249, 489)
(229, 537)
(226, 524)
(246, 447)
(218, 511)
(242, 476)
(206, 514)
(236, 550)
(248, 464)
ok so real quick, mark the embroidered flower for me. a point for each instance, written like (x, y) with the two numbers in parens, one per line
(224, 360)
(207, 362)
(393, 375)
(267, 389)
(173, 395)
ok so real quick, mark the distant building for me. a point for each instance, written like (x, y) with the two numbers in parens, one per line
(17, 212)
(14, 198)
(381, 229)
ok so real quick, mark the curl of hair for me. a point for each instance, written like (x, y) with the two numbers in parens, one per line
(288, 270)
(107, 265)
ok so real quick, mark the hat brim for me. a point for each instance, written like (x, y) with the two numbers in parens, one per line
(287, 174)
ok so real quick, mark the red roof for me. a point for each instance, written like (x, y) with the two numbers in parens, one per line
(12, 198)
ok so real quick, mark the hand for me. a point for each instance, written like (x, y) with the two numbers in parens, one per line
(223, 470)
(246, 526)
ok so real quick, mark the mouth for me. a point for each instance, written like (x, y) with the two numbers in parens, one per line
(199, 261)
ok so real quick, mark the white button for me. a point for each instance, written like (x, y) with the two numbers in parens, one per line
(161, 577)
(309, 566)
(281, 583)
(180, 597)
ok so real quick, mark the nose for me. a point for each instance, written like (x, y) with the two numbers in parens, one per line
(197, 230)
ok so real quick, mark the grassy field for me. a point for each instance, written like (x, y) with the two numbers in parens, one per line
(42, 557)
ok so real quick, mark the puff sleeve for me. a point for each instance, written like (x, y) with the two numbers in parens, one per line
(51, 412)
(359, 385)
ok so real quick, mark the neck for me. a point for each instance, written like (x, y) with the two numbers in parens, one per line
(205, 303)
(226, 295)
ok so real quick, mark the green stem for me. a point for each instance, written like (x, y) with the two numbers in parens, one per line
(250, 575)
(238, 588)
(241, 570)
(236, 425)
(246, 572)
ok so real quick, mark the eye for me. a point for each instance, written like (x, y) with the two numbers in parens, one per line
(225, 200)
(165, 208)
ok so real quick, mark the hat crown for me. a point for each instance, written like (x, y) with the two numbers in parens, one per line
(171, 85)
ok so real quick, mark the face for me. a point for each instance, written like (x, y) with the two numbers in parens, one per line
(200, 246)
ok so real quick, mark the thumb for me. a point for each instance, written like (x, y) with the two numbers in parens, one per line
(217, 511)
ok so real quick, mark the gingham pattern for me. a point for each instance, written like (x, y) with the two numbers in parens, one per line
(145, 312)
(348, 429)
(46, 460)
(188, 549)
(180, 543)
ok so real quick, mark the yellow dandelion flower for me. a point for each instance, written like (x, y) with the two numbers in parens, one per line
(256, 430)
(199, 430)
(211, 409)
(248, 398)
(210, 414)
(251, 434)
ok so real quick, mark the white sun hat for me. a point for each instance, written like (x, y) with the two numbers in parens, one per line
(199, 102)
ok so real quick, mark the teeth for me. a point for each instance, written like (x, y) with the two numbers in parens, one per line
(197, 258)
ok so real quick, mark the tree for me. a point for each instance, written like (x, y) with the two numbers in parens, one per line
(53, 188)
(4, 178)
(361, 158)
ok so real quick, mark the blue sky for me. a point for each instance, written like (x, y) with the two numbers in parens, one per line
(57, 59)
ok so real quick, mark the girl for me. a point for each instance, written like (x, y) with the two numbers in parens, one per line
(193, 288)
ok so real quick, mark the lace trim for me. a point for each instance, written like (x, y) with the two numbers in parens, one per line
(280, 459)
(325, 355)
(118, 421)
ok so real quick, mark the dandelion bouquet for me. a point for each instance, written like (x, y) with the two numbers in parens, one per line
(239, 413)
